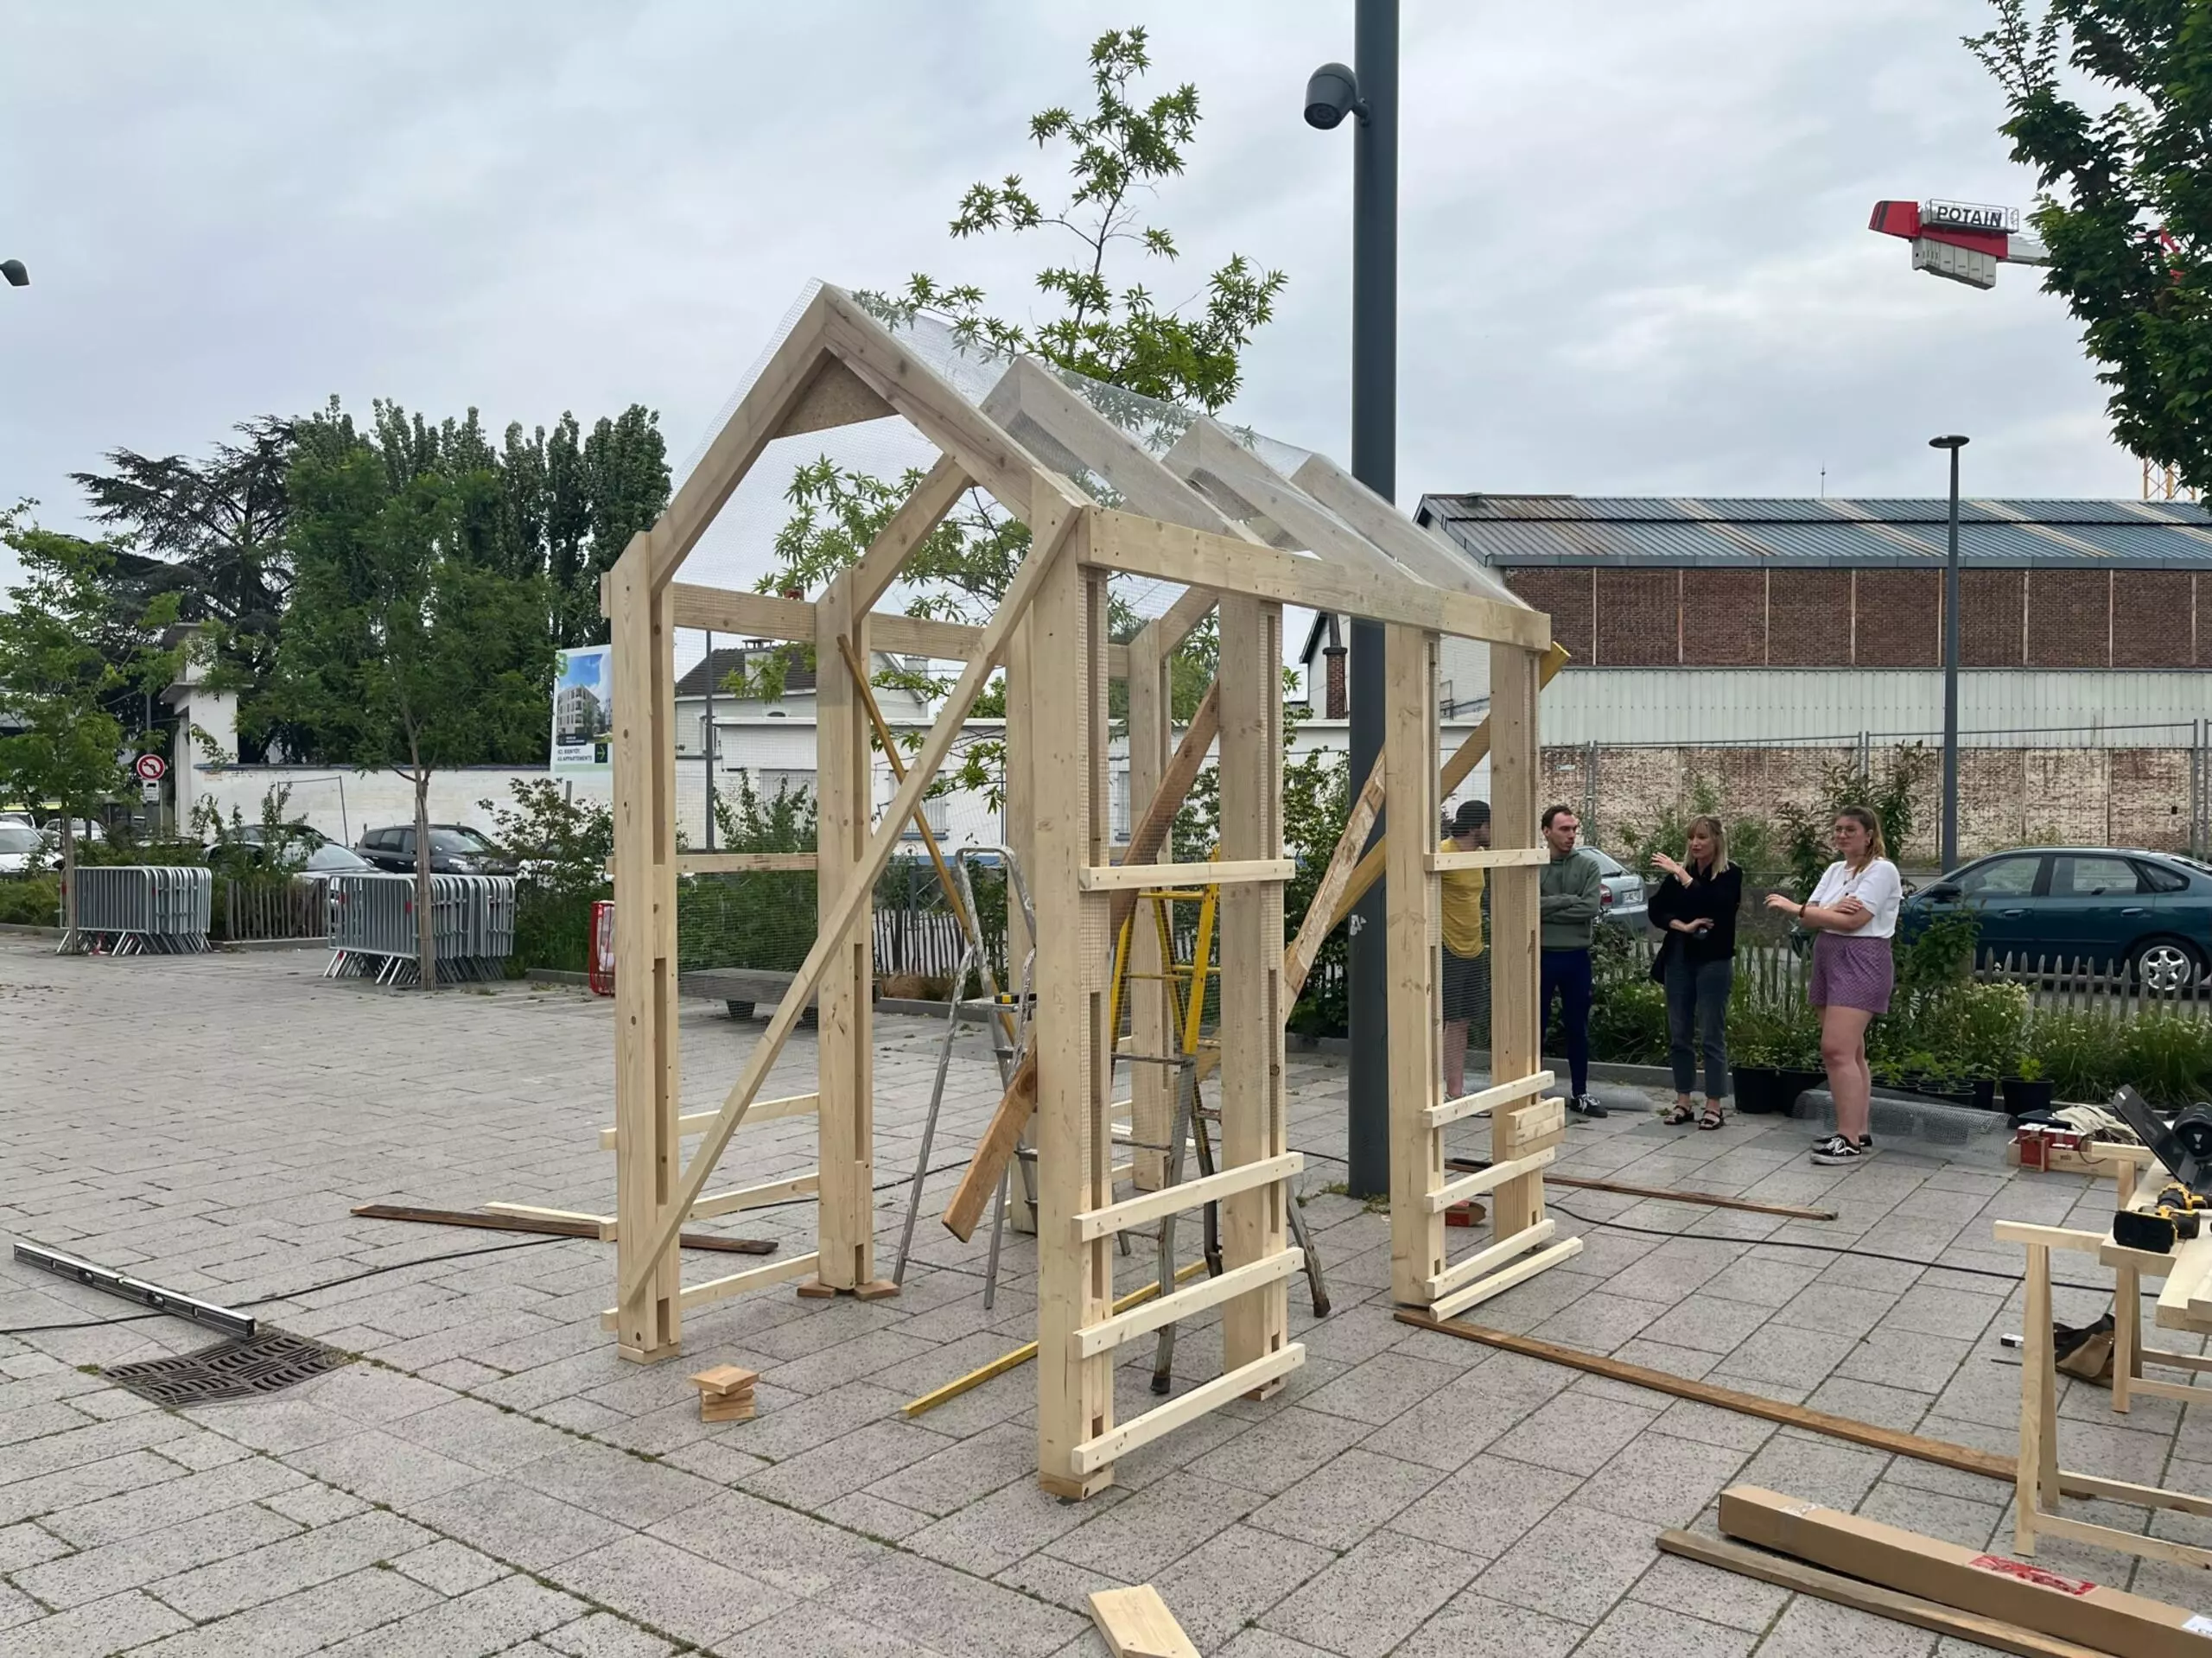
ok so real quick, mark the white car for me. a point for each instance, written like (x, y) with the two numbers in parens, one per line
(23, 848)
(1621, 893)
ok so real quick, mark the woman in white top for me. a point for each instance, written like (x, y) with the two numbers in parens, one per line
(1853, 914)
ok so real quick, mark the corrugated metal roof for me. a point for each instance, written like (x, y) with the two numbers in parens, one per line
(1530, 529)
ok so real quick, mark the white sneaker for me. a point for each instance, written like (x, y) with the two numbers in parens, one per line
(1835, 1150)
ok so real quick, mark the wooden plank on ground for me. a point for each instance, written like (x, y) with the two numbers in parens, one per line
(1705, 1199)
(549, 1227)
(1137, 1625)
(1942, 1452)
(1802, 1578)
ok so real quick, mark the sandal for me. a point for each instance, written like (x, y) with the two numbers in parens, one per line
(1710, 1117)
(1677, 1117)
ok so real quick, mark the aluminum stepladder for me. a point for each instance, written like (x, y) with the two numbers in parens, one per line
(1193, 1060)
(1009, 1031)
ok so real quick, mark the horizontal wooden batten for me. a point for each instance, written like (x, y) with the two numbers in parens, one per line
(1094, 1223)
(1109, 1333)
(1506, 857)
(1094, 1454)
(720, 1289)
(762, 616)
(1473, 1185)
(732, 863)
(697, 1123)
(1483, 1261)
(772, 1191)
(1167, 552)
(1498, 1282)
(1487, 1099)
(1135, 877)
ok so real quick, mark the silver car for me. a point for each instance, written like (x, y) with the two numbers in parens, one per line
(1621, 895)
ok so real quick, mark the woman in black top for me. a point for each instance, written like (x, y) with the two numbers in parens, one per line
(1696, 904)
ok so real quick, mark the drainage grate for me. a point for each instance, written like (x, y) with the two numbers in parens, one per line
(266, 1363)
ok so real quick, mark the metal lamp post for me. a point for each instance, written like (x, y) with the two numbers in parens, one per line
(1949, 850)
(1369, 92)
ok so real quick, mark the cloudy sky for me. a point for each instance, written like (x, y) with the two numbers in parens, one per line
(1634, 255)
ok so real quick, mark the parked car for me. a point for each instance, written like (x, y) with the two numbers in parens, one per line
(1621, 895)
(455, 849)
(21, 849)
(2099, 906)
(332, 859)
(249, 845)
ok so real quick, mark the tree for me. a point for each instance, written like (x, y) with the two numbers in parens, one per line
(2125, 164)
(218, 525)
(67, 664)
(1098, 325)
(405, 645)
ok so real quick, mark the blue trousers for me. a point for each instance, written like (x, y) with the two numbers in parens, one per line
(1566, 974)
(1697, 1021)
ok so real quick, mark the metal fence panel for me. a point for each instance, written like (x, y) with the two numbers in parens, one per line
(374, 931)
(133, 909)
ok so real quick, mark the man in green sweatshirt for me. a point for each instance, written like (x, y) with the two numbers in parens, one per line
(1571, 884)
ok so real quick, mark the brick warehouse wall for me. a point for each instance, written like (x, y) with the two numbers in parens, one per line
(1874, 617)
(2007, 797)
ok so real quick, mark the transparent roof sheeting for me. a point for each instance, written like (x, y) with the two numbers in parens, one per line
(1125, 451)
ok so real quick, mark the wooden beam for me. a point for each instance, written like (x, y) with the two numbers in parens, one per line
(1058, 531)
(927, 398)
(540, 1225)
(1069, 1039)
(1802, 1578)
(1140, 877)
(1208, 452)
(720, 1289)
(1107, 1448)
(845, 1045)
(1189, 1194)
(1417, 1248)
(1473, 1185)
(1508, 857)
(1519, 1272)
(758, 615)
(742, 1197)
(697, 1123)
(1672, 1195)
(1942, 1452)
(647, 1051)
(1484, 1099)
(1169, 552)
(1422, 552)
(835, 397)
(1516, 1023)
(734, 863)
(1146, 834)
(1253, 1103)
(1092, 1340)
(756, 420)
(1465, 1271)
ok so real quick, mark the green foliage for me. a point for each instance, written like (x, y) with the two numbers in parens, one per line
(1806, 826)
(561, 847)
(763, 919)
(1754, 842)
(72, 666)
(2110, 101)
(1993, 1029)
(1316, 801)
(30, 900)
(1118, 153)
(1114, 332)
(1628, 1023)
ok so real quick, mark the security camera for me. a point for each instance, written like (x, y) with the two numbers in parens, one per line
(17, 276)
(1331, 93)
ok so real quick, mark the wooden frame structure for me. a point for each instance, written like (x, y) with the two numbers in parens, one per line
(1207, 513)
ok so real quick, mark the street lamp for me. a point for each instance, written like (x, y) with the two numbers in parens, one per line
(1948, 852)
(14, 272)
(1368, 92)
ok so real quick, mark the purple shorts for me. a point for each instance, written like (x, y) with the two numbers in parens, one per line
(1850, 972)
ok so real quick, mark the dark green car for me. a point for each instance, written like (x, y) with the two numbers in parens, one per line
(2095, 909)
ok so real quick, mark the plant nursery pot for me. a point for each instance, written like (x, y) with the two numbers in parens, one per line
(1791, 1082)
(2022, 1096)
(1985, 1092)
(1754, 1088)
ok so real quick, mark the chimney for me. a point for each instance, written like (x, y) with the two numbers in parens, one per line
(1335, 707)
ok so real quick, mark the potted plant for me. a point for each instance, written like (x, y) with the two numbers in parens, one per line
(1797, 1058)
(1990, 1030)
(1751, 1056)
(2028, 1090)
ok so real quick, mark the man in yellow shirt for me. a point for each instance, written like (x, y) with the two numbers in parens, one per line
(1466, 967)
